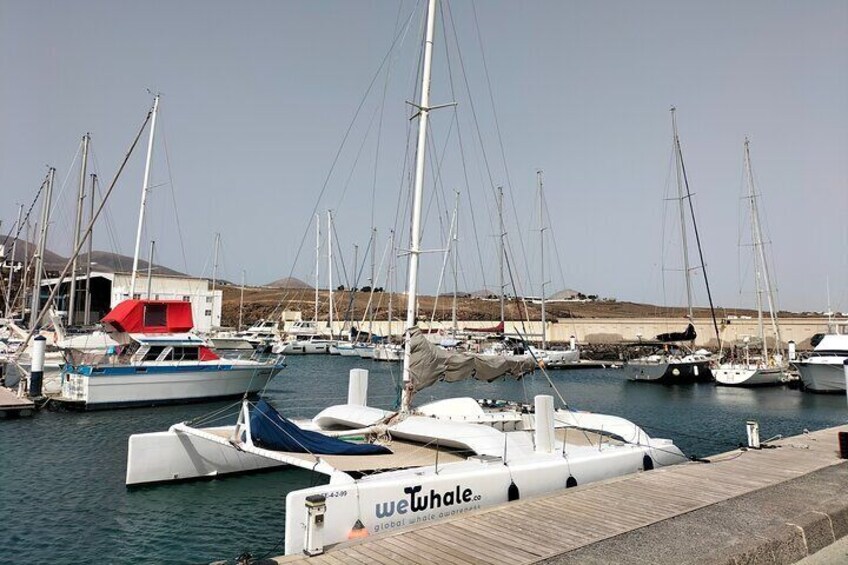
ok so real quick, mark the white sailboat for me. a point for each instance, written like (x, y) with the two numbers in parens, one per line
(761, 370)
(418, 463)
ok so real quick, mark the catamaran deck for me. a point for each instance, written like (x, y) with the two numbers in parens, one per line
(776, 505)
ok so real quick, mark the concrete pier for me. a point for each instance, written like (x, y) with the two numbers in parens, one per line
(12, 405)
(774, 505)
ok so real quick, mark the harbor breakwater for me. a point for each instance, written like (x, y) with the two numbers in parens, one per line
(610, 331)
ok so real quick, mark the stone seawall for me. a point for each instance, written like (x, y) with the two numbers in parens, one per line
(614, 330)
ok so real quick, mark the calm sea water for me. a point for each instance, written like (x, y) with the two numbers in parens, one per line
(63, 499)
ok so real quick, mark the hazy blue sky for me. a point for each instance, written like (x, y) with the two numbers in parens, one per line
(257, 97)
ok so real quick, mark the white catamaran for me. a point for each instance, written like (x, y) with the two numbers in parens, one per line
(389, 469)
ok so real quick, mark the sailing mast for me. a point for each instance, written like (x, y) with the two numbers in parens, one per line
(455, 241)
(39, 252)
(678, 164)
(371, 283)
(72, 302)
(150, 270)
(144, 189)
(501, 236)
(542, 259)
(417, 202)
(682, 169)
(87, 318)
(762, 270)
(317, 261)
(330, 268)
(390, 278)
(241, 301)
(215, 262)
(12, 263)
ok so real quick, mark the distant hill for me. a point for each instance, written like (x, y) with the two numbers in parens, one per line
(482, 293)
(52, 261)
(289, 282)
(104, 261)
(116, 263)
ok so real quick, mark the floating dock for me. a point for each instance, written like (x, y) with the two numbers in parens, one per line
(11, 405)
(772, 505)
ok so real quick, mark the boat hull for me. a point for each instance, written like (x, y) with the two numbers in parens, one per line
(404, 498)
(667, 372)
(743, 375)
(147, 386)
(822, 377)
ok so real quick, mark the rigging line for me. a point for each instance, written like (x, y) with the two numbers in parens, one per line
(481, 145)
(359, 107)
(498, 130)
(25, 219)
(173, 193)
(355, 162)
(107, 213)
(462, 149)
(40, 316)
(698, 241)
(62, 210)
(380, 123)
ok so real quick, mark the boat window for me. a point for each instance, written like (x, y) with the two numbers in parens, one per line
(154, 352)
(155, 315)
(186, 353)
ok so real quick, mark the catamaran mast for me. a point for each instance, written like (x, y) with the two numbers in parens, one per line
(678, 161)
(12, 263)
(763, 264)
(39, 253)
(87, 318)
(417, 201)
(542, 259)
(144, 188)
(72, 298)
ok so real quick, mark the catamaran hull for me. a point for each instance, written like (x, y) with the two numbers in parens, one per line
(151, 387)
(172, 456)
(822, 377)
(404, 498)
(743, 376)
(669, 373)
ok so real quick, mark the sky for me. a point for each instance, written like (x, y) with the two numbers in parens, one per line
(272, 111)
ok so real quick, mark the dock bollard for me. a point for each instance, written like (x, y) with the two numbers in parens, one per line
(316, 507)
(36, 372)
(753, 434)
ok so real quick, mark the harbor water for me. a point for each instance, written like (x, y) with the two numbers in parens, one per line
(63, 499)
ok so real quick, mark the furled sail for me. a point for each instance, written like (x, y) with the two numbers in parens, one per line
(688, 335)
(428, 364)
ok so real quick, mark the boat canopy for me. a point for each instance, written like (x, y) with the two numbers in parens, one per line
(428, 364)
(150, 317)
(271, 430)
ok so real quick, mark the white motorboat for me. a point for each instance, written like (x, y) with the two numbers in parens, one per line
(767, 370)
(304, 338)
(157, 361)
(823, 369)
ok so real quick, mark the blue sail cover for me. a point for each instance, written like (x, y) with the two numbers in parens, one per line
(271, 430)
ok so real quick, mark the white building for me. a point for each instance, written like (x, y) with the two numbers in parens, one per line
(109, 289)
